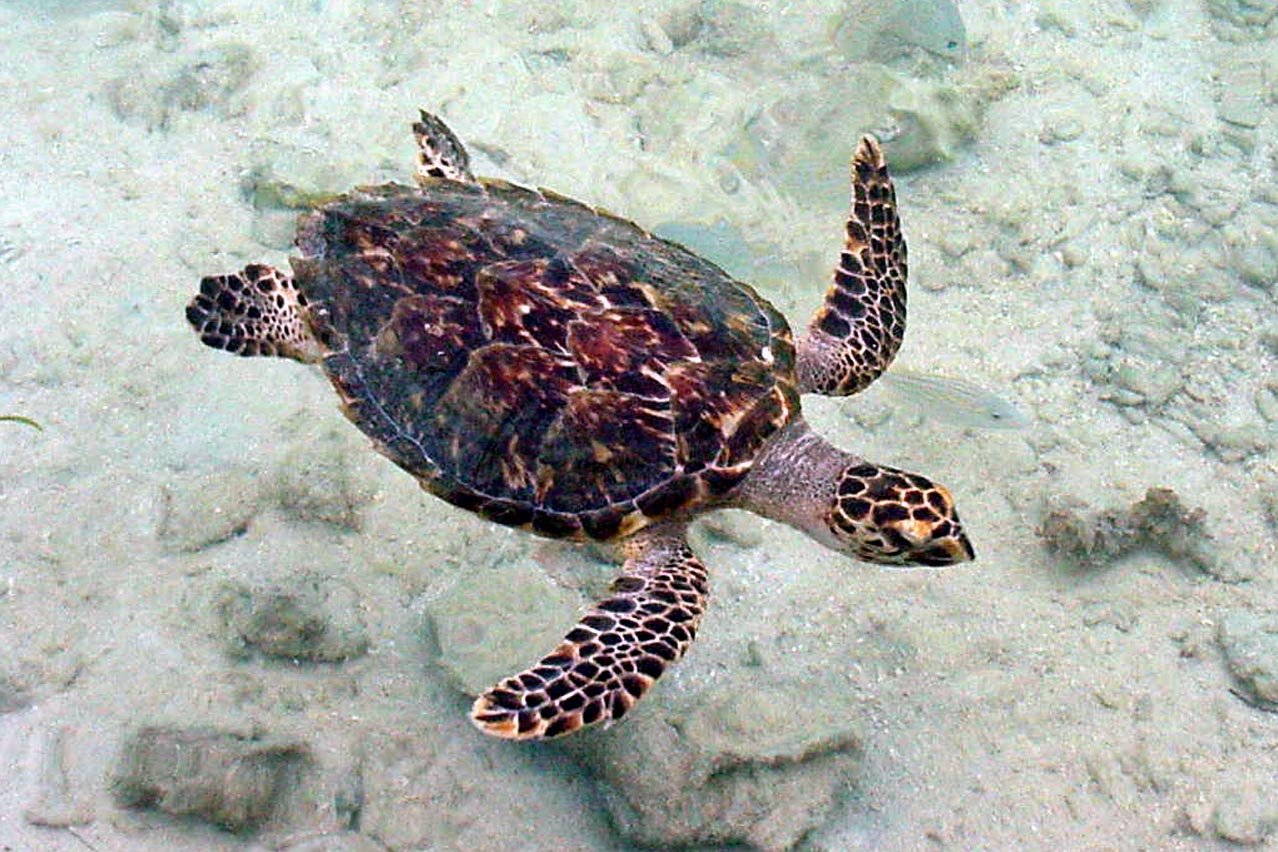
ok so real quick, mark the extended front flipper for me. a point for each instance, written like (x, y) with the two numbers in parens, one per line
(858, 330)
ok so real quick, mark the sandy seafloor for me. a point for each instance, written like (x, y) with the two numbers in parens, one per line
(1095, 236)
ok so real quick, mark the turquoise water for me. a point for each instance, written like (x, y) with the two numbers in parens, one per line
(226, 624)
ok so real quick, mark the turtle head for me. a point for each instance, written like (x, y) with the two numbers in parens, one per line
(867, 511)
(891, 517)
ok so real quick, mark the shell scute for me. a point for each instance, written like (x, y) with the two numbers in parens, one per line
(495, 414)
(441, 257)
(618, 347)
(431, 333)
(532, 302)
(600, 443)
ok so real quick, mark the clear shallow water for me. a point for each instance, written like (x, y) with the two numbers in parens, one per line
(1089, 197)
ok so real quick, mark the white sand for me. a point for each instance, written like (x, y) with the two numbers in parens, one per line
(1094, 226)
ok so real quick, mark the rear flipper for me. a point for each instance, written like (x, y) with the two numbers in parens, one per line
(258, 311)
(614, 654)
(440, 154)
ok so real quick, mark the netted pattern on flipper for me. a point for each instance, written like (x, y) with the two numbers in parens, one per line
(614, 654)
(257, 311)
(858, 330)
(440, 154)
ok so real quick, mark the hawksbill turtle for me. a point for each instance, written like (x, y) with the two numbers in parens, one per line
(550, 366)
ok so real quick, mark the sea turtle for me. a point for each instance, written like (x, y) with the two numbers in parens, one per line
(551, 366)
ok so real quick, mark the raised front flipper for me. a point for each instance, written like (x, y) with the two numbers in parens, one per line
(614, 654)
(858, 330)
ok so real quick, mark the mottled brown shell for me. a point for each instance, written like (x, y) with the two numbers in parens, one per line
(540, 362)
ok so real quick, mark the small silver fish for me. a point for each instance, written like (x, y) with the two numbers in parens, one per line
(953, 401)
(876, 29)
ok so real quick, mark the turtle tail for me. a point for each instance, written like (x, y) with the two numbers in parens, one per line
(257, 311)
